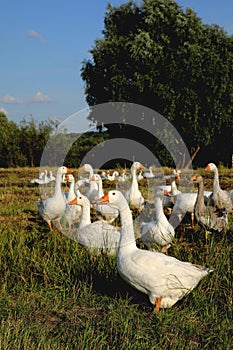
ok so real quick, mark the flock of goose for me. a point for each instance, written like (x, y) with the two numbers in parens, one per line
(163, 278)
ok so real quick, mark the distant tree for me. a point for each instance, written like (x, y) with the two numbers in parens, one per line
(162, 57)
(33, 138)
(10, 153)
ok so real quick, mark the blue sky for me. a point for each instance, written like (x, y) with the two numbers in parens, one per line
(44, 42)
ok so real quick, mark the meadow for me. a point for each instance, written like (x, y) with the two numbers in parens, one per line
(56, 295)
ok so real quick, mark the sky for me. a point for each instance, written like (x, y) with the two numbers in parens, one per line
(43, 44)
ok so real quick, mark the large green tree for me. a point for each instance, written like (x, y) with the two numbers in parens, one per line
(165, 58)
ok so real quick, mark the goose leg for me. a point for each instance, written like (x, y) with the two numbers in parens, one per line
(50, 225)
(158, 303)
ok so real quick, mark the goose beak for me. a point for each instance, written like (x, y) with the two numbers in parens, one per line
(93, 178)
(166, 193)
(104, 199)
(74, 201)
(69, 171)
(207, 168)
(193, 178)
(141, 166)
(177, 176)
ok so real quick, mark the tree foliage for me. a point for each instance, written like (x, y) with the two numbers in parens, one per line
(163, 57)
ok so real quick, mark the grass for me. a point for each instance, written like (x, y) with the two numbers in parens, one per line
(55, 295)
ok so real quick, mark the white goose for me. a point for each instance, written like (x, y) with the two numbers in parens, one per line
(163, 278)
(97, 236)
(72, 212)
(53, 208)
(42, 180)
(104, 212)
(133, 194)
(149, 175)
(112, 177)
(85, 186)
(158, 232)
(220, 198)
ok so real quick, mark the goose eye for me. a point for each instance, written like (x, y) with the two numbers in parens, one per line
(113, 193)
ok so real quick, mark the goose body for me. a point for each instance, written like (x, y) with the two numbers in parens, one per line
(104, 212)
(220, 198)
(158, 232)
(133, 194)
(43, 179)
(208, 215)
(163, 278)
(53, 208)
(97, 236)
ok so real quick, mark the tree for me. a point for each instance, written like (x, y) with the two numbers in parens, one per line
(10, 153)
(162, 57)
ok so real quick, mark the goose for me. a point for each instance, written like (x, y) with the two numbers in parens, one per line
(123, 177)
(149, 175)
(97, 236)
(220, 198)
(53, 208)
(35, 180)
(51, 177)
(133, 194)
(158, 232)
(163, 278)
(183, 203)
(104, 212)
(112, 177)
(85, 186)
(209, 216)
(42, 180)
(72, 212)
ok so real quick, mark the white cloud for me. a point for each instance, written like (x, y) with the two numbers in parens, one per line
(39, 97)
(3, 110)
(35, 35)
(11, 99)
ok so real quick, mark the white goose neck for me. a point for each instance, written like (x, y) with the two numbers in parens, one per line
(86, 216)
(127, 238)
(58, 191)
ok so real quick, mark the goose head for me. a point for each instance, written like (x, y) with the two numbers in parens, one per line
(211, 167)
(80, 200)
(197, 178)
(115, 199)
(64, 170)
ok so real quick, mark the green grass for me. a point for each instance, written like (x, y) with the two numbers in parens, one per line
(55, 295)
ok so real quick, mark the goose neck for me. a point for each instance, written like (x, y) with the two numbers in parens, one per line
(86, 216)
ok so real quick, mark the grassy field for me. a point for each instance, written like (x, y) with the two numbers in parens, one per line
(55, 295)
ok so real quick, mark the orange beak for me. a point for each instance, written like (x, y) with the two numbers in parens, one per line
(74, 201)
(104, 199)
(141, 166)
(177, 176)
(193, 178)
(93, 178)
(166, 193)
(68, 170)
(207, 168)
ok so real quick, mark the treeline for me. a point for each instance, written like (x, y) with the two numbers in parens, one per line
(23, 144)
